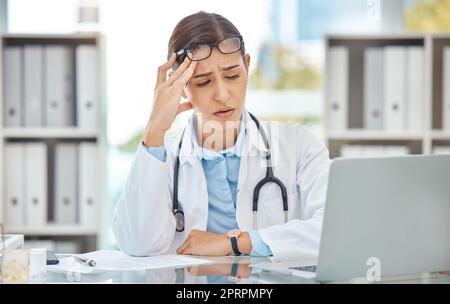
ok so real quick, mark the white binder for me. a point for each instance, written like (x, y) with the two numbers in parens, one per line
(415, 89)
(12, 81)
(59, 99)
(446, 90)
(441, 150)
(352, 151)
(373, 151)
(337, 83)
(394, 88)
(396, 150)
(33, 93)
(66, 164)
(89, 184)
(87, 87)
(14, 183)
(373, 88)
(67, 247)
(36, 184)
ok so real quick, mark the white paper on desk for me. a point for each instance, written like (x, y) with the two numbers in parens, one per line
(110, 260)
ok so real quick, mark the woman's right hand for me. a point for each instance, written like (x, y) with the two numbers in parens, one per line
(166, 102)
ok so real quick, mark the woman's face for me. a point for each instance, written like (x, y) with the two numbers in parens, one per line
(218, 86)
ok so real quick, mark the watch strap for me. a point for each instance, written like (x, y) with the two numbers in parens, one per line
(234, 270)
(234, 245)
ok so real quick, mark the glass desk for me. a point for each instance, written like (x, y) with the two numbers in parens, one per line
(224, 270)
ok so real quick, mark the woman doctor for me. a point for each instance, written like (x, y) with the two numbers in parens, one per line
(227, 183)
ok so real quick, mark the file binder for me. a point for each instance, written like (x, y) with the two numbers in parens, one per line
(352, 151)
(12, 81)
(373, 88)
(87, 87)
(394, 150)
(66, 183)
(88, 184)
(338, 67)
(67, 247)
(395, 88)
(446, 90)
(15, 186)
(358, 151)
(441, 150)
(33, 93)
(415, 89)
(60, 106)
(36, 184)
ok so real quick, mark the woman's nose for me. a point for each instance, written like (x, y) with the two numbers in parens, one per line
(221, 92)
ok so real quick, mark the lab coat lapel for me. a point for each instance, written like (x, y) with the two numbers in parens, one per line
(253, 147)
(195, 197)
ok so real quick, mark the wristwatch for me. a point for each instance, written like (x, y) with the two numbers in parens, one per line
(233, 236)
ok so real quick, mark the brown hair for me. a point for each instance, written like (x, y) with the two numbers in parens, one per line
(201, 28)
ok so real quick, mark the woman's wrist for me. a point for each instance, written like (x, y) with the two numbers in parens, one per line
(154, 137)
(244, 243)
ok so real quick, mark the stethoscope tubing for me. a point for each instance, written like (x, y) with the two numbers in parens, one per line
(269, 178)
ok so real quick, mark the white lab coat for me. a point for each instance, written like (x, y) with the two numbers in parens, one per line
(144, 224)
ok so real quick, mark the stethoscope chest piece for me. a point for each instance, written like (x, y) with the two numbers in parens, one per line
(179, 220)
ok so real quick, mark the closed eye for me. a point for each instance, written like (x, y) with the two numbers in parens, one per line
(232, 76)
(203, 83)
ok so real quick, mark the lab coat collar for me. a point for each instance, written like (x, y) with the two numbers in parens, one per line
(252, 141)
(203, 153)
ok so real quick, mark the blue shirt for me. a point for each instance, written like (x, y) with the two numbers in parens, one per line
(221, 172)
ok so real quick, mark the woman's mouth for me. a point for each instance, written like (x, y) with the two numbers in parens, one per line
(224, 113)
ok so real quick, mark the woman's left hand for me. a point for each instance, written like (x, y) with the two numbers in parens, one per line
(205, 243)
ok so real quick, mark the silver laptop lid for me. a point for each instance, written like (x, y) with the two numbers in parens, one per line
(395, 211)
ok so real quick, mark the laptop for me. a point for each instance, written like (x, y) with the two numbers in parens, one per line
(383, 216)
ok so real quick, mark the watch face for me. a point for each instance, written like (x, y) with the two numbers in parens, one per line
(233, 233)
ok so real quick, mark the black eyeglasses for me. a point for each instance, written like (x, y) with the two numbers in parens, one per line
(203, 51)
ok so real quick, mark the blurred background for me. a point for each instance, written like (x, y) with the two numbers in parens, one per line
(298, 48)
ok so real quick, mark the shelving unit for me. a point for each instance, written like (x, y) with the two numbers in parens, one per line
(42, 133)
(438, 136)
(355, 133)
(53, 230)
(88, 237)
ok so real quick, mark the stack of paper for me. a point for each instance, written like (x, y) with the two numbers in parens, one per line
(109, 260)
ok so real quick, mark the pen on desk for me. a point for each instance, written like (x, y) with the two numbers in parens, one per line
(85, 261)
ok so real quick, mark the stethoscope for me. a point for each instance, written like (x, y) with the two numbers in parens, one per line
(269, 178)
